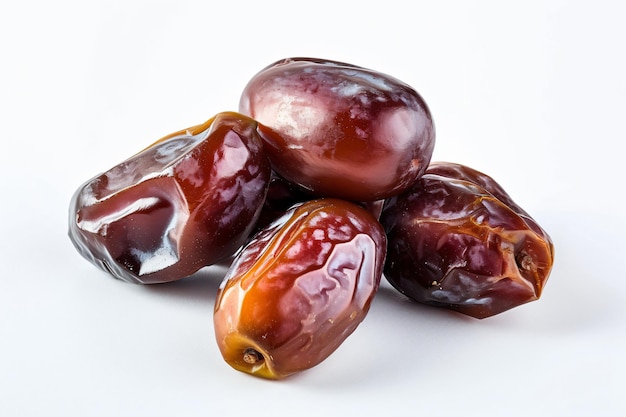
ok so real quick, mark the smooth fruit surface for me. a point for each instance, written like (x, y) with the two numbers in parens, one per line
(339, 130)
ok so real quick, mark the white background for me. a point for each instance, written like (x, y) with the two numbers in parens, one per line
(532, 93)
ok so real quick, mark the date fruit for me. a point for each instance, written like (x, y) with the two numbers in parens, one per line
(339, 130)
(456, 239)
(299, 288)
(189, 200)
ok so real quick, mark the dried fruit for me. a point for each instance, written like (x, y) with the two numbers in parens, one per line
(339, 130)
(457, 240)
(299, 288)
(323, 181)
(187, 201)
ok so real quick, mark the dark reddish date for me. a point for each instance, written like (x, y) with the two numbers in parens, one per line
(339, 130)
(187, 201)
(457, 240)
(299, 288)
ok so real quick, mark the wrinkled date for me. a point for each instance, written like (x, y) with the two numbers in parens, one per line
(339, 130)
(321, 182)
(457, 240)
(299, 288)
(187, 201)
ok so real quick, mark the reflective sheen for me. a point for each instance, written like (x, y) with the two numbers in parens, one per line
(457, 240)
(299, 288)
(339, 130)
(187, 201)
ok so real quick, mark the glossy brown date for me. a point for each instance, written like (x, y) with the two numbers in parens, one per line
(339, 130)
(187, 201)
(457, 240)
(299, 288)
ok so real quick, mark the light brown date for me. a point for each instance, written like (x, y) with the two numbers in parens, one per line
(299, 288)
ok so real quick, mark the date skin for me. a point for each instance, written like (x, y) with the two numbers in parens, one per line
(299, 288)
(458, 240)
(339, 130)
(187, 201)
(282, 195)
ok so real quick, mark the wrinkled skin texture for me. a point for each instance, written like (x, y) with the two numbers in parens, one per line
(339, 130)
(299, 288)
(187, 201)
(457, 240)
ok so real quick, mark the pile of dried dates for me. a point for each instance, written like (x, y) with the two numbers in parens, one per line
(319, 185)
